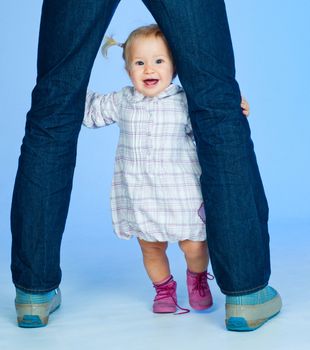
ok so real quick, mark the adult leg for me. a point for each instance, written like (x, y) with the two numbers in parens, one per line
(70, 35)
(235, 203)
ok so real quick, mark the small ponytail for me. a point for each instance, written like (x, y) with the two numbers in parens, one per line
(108, 42)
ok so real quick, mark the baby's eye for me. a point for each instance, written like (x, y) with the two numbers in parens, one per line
(159, 61)
(139, 63)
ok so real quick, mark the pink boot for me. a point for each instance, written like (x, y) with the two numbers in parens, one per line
(199, 294)
(166, 299)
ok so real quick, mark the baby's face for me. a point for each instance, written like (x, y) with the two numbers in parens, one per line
(150, 67)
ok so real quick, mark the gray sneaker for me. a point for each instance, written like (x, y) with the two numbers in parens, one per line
(33, 309)
(249, 312)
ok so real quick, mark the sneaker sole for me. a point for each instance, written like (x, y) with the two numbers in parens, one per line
(34, 321)
(244, 318)
(239, 324)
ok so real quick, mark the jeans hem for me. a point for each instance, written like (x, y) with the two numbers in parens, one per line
(36, 291)
(244, 292)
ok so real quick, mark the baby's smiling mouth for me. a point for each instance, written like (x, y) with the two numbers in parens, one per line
(150, 82)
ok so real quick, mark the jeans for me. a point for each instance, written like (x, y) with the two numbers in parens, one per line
(236, 208)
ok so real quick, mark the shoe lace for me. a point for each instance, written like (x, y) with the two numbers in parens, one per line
(201, 282)
(167, 290)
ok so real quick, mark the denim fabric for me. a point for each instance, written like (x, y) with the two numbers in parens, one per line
(235, 203)
(70, 34)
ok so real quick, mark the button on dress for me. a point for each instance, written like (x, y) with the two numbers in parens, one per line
(156, 193)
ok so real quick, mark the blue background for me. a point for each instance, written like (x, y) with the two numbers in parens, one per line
(272, 50)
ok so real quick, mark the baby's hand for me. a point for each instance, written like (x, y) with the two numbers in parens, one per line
(245, 107)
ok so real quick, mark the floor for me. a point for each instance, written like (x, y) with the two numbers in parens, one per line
(107, 300)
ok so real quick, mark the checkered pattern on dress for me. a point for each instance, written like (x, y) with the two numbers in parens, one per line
(155, 190)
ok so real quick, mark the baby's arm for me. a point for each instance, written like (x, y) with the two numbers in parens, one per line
(245, 107)
(100, 110)
(245, 110)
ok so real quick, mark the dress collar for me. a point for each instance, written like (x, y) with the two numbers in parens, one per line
(135, 96)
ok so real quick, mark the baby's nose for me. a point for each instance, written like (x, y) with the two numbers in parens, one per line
(148, 68)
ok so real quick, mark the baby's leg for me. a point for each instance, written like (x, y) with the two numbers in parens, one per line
(155, 260)
(157, 267)
(197, 259)
(196, 255)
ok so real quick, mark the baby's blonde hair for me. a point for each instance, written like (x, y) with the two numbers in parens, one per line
(144, 31)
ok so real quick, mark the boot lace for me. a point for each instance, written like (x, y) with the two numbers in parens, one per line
(201, 282)
(167, 290)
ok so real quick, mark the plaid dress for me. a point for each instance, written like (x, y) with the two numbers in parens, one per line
(156, 191)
